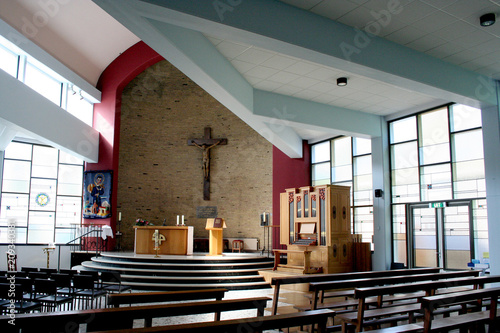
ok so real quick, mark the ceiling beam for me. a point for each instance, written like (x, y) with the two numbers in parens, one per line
(281, 110)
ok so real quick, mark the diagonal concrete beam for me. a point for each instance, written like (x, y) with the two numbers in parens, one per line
(193, 54)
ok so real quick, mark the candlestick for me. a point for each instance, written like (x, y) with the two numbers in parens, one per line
(182, 219)
(177, 219)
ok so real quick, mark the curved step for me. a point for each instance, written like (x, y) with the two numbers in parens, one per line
(171, 272)
(231, 271)
(182, 265)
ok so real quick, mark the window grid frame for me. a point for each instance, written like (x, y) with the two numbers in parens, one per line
(29, 194)
(353, 207)
(451, 162)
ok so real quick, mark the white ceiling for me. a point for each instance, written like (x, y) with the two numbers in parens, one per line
(87, 39)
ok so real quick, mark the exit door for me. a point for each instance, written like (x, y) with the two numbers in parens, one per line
(440, 235)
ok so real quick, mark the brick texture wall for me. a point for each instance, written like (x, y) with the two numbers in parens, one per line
(160, 176)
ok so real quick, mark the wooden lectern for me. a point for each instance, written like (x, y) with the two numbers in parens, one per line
(215, 241)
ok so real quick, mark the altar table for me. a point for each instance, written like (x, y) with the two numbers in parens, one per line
(178, 240)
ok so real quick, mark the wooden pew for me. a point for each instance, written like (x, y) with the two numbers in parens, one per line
(364, 316)
(277, 282)
(319, 287)
(464, 319)
(115, 300)
(318, 317)
(123, 317)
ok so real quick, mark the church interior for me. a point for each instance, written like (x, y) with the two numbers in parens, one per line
(275, 157)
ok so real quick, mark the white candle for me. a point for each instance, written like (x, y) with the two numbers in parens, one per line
(177, 219)
(264, 217)
(182, 219)
(119, 216)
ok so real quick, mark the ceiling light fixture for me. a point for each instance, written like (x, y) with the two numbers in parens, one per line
(342, 81)
(487, 19)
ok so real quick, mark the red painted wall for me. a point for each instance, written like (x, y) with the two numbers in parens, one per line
(107, 114)
(288, 173)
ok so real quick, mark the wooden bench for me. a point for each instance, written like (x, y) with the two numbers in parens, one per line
(364, 316)
(305, 269)
(464, 319)
(318, 317)
(320, 287)
(277, 282)
(115, 300)
(123, 317)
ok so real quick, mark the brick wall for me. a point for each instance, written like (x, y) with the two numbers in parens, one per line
(160, 176)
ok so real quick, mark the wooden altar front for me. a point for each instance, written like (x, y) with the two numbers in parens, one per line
(178, 240)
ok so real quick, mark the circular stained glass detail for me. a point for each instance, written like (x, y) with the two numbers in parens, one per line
(42, 199)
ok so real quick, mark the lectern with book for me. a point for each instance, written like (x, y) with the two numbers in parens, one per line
(215, 240)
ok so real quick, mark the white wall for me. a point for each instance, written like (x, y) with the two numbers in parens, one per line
(34, 256)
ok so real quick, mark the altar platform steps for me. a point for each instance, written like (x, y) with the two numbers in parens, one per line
(145, 272)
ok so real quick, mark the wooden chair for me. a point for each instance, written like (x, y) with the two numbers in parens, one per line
(237, 245)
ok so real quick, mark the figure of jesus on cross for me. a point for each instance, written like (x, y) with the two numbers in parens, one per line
(205, 144)
(206, 157)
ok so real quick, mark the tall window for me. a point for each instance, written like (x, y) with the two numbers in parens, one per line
(347, 161)
(45, 81)
(437, 156)
(41, 194)
(41, 186)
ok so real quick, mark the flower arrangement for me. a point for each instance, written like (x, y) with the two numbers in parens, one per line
(142, 222)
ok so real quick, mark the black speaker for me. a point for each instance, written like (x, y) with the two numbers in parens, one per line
(378, 193)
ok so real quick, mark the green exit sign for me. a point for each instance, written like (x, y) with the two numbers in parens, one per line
(437, 205)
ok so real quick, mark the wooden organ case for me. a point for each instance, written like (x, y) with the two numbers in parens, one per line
(317, 219)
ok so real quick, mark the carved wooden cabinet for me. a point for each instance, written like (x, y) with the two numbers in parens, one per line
(318, 219)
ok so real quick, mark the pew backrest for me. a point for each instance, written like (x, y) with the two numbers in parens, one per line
(123, 317)
(282, 280)
(427, 286)
(318, 287)
(165, 296)
(318, 317)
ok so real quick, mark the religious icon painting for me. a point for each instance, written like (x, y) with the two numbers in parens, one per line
(97, 194)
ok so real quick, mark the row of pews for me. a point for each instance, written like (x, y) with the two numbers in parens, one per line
(126, 309)
(409, 300)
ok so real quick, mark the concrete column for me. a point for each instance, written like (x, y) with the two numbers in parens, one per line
(491, 146)
(382, 256)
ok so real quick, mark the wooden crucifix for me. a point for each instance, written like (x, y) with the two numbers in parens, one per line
(205, 144)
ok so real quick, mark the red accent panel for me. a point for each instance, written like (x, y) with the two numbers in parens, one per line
(114, 78)
(288, 173)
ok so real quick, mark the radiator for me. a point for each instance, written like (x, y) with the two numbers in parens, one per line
(249, 244)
